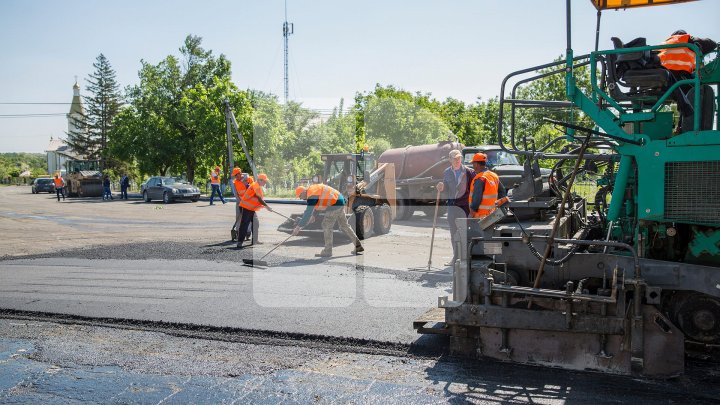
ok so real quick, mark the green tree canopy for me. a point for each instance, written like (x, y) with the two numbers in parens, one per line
(175, 121)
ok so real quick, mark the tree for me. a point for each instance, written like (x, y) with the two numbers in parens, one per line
(399, 117)
(531, 122)
(102, 105)
(177, 106)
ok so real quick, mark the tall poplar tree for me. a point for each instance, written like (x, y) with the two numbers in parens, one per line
(101, 106)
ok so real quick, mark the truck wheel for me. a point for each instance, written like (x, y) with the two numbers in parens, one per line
(364, 222)
(166, 198)
(383, 219)
(145, 196)
(403, 207)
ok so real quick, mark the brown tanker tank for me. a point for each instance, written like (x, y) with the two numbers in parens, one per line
(417, 170)
(420, 161)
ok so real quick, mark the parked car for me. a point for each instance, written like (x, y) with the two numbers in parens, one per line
(43, 185)
(505, 164)
(169, 189)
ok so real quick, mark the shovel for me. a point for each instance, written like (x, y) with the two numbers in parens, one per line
(261, 262)
(284, 216)
(432, 239)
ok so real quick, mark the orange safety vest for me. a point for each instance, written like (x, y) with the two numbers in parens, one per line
(240, 188)
(490, 194)
(249, 200)
(214, 178)
(58, 182)
(678, 58)
(327, 196)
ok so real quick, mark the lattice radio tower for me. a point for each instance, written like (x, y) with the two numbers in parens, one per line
(288, 29)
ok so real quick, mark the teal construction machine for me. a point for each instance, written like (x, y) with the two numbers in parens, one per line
(622, 283)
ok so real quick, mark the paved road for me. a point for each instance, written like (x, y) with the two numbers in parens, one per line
(173, 263)
(310, 297)
(38, 224)
(130, 259)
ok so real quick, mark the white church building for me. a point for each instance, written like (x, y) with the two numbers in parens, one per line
(58, 152)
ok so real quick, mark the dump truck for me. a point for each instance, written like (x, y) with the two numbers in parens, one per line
(368, 187)
(619, 283)
(83, 178)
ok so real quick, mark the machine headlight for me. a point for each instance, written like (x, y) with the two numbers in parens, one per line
(175, 191)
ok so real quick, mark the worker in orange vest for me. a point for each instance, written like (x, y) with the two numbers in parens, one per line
(215, 184)
(323, 198)
(251, 202)
(485, 189)
(681, 63)
(59, 187)
(239, 187)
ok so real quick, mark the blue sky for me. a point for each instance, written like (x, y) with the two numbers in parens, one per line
(456, 48)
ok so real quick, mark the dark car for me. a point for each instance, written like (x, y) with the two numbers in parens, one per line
(505, 164)
(169, 189)
(43, 185)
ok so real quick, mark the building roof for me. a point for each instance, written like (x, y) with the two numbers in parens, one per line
(55, 144)
(61, 148)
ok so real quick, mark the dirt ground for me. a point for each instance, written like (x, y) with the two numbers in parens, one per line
(39, 224)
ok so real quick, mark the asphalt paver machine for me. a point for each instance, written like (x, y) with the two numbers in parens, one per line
(623, 283)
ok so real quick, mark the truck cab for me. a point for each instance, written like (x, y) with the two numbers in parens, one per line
(343, 171)
(505, 164)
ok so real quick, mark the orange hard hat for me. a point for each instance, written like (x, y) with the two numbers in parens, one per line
(263, 177)
(217, 167)
(236, 171)
(479, 157)
(299, 190)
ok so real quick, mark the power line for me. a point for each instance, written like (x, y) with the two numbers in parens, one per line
(35, 103)
(32, 115)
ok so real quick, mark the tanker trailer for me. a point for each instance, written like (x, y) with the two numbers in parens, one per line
(417, 170)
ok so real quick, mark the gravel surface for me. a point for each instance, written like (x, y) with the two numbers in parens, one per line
(46, 362)
(152, 352)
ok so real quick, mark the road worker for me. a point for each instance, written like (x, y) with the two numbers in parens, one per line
(251, 202)
(323, 198)
(239, 187)
(59, 187)
(680, 62)
(215, 185)
(456, 183)
(485, 188)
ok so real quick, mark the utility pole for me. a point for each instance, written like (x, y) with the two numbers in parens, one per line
(288, 29)
(228, 126)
